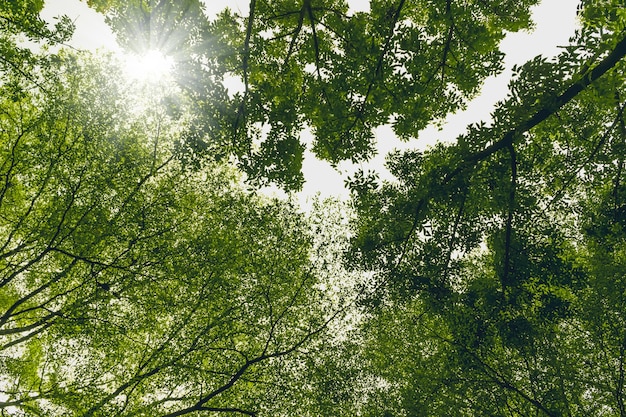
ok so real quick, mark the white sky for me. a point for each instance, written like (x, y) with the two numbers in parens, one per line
(555, 23)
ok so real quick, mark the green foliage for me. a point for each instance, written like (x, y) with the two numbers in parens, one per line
(510, 240)
(22, 17)
(138, 276)
(130, 284)
(311, 65)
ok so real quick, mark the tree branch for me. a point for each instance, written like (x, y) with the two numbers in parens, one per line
(509, 220)
(296, 33)
(379, 63)
(491, 373)
(590, 157)
(549, 107)
(200, 404)
(581, 82)
(455, 228)
(244, 67)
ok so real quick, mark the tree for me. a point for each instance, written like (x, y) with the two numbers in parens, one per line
(20, 21)
(488, 277)
(129, 283)
(311, 64)
(491, 244)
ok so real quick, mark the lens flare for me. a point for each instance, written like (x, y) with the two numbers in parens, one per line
(153, 66)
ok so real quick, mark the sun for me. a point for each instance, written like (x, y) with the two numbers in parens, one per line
(152, 66)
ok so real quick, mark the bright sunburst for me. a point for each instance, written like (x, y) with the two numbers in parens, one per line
(151, 66)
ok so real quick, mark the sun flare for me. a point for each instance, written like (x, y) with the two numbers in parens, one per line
(151, 66)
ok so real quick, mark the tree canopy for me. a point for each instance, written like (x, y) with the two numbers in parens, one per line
(130, 284)
(142, 274)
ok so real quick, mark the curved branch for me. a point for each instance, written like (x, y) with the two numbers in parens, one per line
(620, 167)
(239, 374)
(379, 63)
(455, 228)
(316, 45)
(386, 46)
(490, 372)
(581, 82)
(57, 277)
(447, 48)
(549, 107)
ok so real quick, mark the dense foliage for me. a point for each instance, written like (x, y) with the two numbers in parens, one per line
(140, 273)
(131, 284)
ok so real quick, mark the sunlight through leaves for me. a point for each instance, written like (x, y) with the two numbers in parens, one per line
(153, 66)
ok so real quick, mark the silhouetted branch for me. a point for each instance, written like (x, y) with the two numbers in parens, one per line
(549, 107)
(296, 33)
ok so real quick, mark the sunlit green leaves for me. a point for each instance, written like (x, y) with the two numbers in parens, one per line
(131, 284)
(137, 277)
(311, 64)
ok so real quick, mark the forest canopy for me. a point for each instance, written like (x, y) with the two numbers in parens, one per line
(143, 273)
